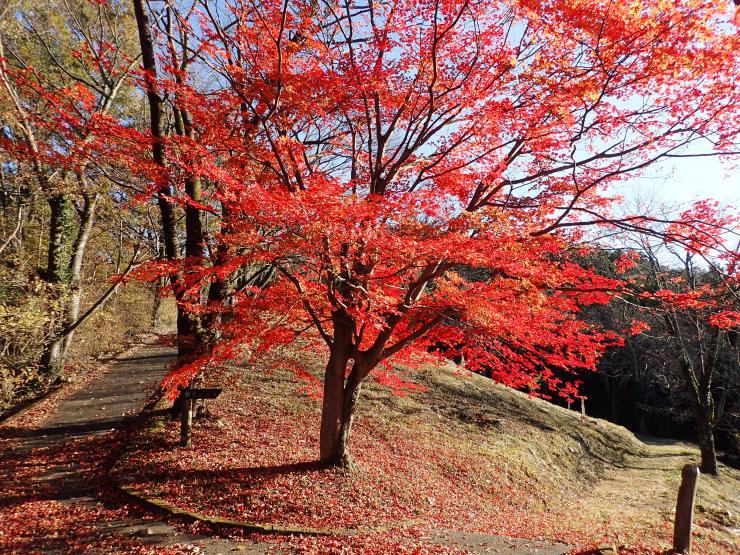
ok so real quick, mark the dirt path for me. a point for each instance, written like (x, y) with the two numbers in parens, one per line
(641, 497)
(56, 497)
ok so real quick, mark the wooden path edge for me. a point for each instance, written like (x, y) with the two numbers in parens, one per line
(159, 505)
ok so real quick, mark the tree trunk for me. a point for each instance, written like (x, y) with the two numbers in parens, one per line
(61, 239)
(52, 358)
(340, 396)
(187, 334)
(331, 411)
(194, 240)
(148, 57)
(218, 293)
(80, 247)
(351, 394)
(185, 327)
(66, 254)
(157, 304)
(58, 273)
(705, 432)
(336, 421)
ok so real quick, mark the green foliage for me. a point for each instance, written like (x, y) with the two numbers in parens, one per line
(27, 311)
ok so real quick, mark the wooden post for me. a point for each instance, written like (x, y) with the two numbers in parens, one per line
(187, 397)
(583, 406)
(685, 509)
(186, 420)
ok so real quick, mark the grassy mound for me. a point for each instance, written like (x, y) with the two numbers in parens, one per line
(465, 455)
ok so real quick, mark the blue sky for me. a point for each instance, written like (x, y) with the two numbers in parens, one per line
(680, 181)
(676, 184)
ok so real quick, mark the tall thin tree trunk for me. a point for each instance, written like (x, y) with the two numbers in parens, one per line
(185, 329)
(80, 247)
(194, 241)
(169, 227)
(705, 433)
(61, 237)
(157, 304)
(191, 332)
(190, 326)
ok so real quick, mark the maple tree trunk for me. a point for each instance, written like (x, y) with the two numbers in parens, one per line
(218, 292)
(351, 394)
(337, 416)
(187, 334)
(331, 411)
(194, 242)
(339, 400)
(155, 122)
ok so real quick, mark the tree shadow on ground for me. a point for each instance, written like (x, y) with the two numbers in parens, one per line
(213, 477)
(82, 428)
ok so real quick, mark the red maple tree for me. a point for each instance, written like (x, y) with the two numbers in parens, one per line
(420, 173)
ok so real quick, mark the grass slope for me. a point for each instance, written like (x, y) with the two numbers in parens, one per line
(465, 455)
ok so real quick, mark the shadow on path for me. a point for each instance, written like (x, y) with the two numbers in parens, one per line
(56, 495)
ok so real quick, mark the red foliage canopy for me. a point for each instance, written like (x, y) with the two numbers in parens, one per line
(378, 155)
(419, 171)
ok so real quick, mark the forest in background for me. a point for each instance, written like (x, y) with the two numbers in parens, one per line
(66, 234)
(72, 233)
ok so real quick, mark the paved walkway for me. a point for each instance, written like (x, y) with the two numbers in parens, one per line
(57, 471)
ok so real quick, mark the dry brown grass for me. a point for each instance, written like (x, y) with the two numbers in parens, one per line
(126, 315)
